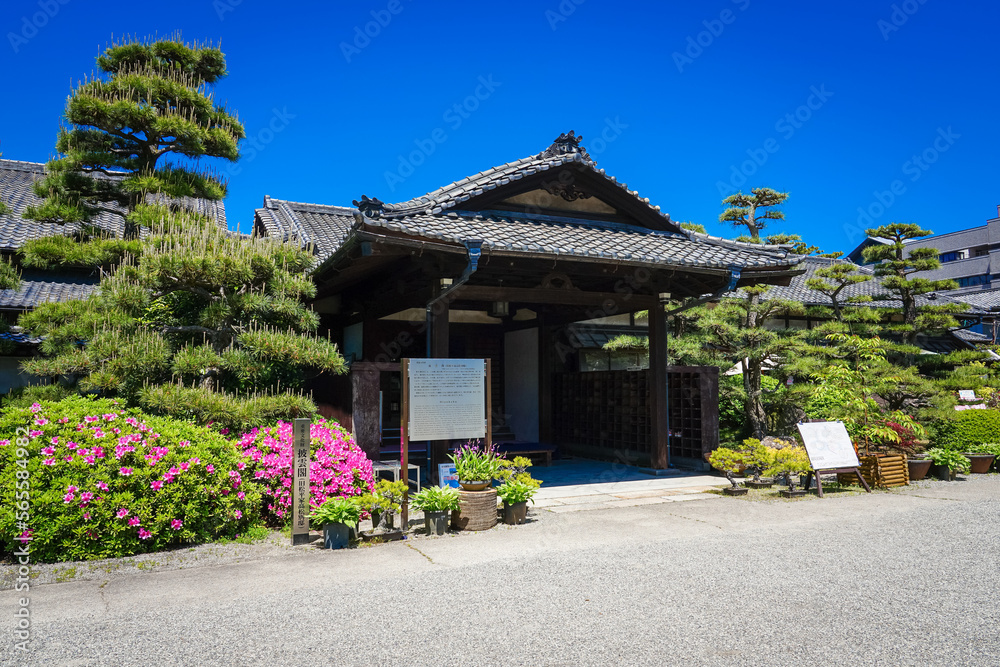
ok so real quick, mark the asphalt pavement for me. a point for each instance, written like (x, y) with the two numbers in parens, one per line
(910, 577)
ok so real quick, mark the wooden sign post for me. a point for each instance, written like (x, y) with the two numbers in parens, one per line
(300, 483)
(443, 399)
(830, 451)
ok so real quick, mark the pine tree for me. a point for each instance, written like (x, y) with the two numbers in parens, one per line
(190, 319)
(832, 280)
(136, 132)
(895, 266)
(743, 210)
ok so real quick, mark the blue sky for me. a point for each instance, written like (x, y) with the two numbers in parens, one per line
(866, 112)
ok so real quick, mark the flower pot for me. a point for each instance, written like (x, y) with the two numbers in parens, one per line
(980, 462)
(477, 510)
(791, 493)
(390, 518)
(736, 490)
(514, 514)
(436, 523)
(762, 484)
(943, 472)
(918, 468)
(475, 485)
(381, 536)
(336, 535)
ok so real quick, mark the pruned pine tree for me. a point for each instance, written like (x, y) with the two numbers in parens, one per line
(799, 247)
(135, 134)
(832, 280)
(896, 266)
(202, 324)
(747, 210)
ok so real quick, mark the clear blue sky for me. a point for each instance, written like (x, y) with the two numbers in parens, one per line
(687, 94)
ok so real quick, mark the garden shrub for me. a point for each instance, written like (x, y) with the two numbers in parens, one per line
(967, 430)
(338, 466)
(104, 482)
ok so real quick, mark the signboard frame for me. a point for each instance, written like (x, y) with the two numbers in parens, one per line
(835, 434)
(404, 430)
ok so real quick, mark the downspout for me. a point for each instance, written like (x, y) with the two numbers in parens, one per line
(474, 248)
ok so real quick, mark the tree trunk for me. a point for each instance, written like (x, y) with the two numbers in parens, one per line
(754, 409)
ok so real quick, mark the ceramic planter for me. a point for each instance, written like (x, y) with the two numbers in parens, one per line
(918, 468)
(762, 484)
(513, 514)
(980, 462)
(436, 523)
(943, 472)
(474, 485)
(336, 535)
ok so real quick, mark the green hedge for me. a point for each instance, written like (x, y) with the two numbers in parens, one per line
(968, 430)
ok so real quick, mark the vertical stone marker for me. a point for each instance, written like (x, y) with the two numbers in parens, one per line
(300, 483)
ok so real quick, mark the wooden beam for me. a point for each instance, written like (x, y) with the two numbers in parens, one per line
(439, 350)
(365, 407)
(659, 417)
(544, 380)
(564, 297)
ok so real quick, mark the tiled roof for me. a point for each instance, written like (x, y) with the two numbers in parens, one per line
(983, 300)
(797, 290)
(434, 216)
(16, 181)
(39, 288)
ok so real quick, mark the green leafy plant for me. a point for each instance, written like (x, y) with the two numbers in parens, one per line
(516, 492)
(948, 457)
(336, 510)
(391, 493)
(788, 461)
(516, 471)
(990, 448)
(436, 499)
(728, 461)
(476, 463)
(968, 430)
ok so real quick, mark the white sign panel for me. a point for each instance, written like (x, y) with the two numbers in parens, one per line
(447, 399)
(447, 475)
(967, 394)
(828, 445)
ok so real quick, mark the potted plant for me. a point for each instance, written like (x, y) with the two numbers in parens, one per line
(476, 466)
(789, 461)
(515, 496)
(383, 503)
(947, 463)
(994, 449)
(980, 460)
(758, 459)
(918, 465)
(436, 502)
(338, 516)
(732, 463)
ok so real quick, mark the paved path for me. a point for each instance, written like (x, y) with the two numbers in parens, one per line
(909, 577)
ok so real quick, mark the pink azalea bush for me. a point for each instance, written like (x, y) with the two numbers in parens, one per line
(97, 481)
(338, 466)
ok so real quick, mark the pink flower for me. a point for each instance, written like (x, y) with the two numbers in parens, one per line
(49, 462)
(71, 445)
(71, 489)
(241, 465)
(35, 407)
(86, 516)
(239, 514)
(241, 495)
(125, 472)
(157, 485)
(48, 451)
(68, 498)
(144, 534)
(86, 496)
(195, 461)
(54, 441)
(4, 443)
(210, 468)
(174, 471)
(67, 459)
(176, 524)
(64, 420)
(34, 433)
(102, 486)
(41, 421)
(122, 513)
(110, 417)
(134, 521)
(185, 465)
(90, 420)
(90, 460)
(184, 443)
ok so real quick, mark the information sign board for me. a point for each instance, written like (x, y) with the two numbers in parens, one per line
(828, 445)
(447, 399)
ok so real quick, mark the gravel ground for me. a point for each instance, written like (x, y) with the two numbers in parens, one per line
(901, 578)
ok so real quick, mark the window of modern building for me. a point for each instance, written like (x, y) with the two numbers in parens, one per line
(970, 281)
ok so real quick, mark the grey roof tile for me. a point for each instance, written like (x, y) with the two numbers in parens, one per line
(39, 288)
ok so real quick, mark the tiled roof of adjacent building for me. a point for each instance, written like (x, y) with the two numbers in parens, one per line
(435, 217)
(16, 191)
(37, 288)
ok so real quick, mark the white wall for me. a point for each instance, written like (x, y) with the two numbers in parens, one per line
(521, 382)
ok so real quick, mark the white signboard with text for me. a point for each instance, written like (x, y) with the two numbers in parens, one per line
(447, 399)
(828, 445)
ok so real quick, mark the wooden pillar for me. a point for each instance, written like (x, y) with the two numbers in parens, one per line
(439, 350)
(710, 409)
(659, 417)
(365, 408)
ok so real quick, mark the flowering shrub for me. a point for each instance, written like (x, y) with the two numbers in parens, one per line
(338, 466)
(104, 482)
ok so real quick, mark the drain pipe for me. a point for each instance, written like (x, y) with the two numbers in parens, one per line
(734, 278)
(474, 248)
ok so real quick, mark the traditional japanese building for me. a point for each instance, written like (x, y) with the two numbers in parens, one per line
(511, 264)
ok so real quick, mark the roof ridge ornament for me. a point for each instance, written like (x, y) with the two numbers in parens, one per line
(370, 208)
(567, 143)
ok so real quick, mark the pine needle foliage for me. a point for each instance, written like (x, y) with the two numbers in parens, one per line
(743, 210)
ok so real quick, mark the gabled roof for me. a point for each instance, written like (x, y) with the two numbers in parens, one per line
(464, 210)
(16, 190)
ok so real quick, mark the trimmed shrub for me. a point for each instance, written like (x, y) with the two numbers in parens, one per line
(86, 479)
(968, 430)
(338, 466)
